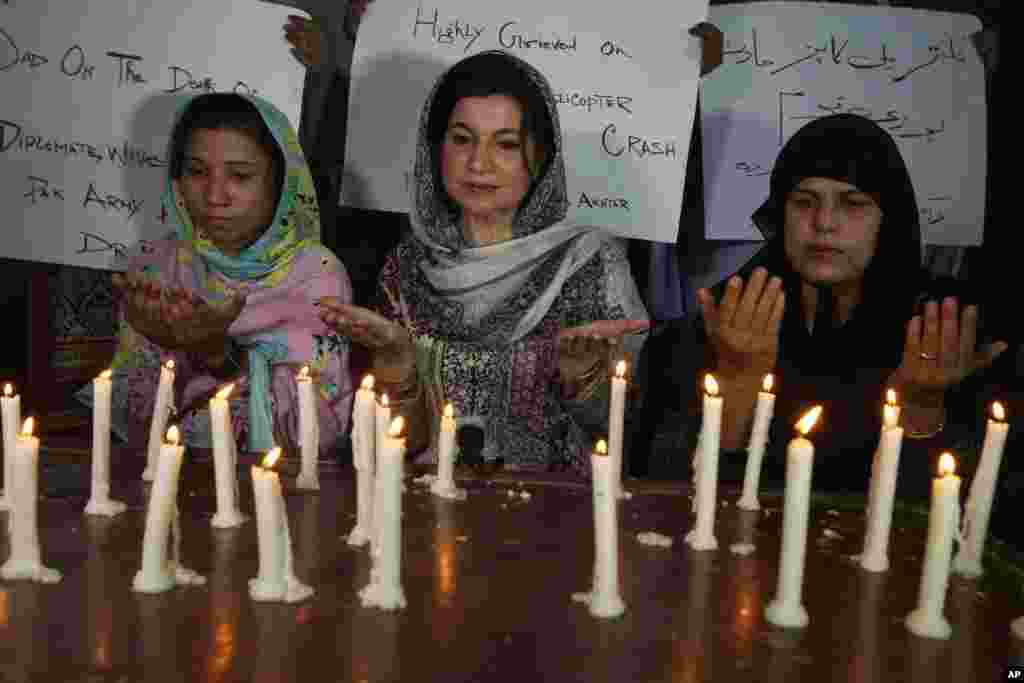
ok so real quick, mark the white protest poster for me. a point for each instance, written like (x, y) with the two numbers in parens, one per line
(624, 74)
(90, 89)
(915, 72)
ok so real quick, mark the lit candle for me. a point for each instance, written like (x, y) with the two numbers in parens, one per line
(979, 498)
(604, 599)
(787, 608)
(276, 579)
(882, 489)
(943, 519)
(161, 411)
(383, 417)
(225, 462)
(444, 485)
(159, 574)
(755, 449)
(616, 419)
(702, 536)
(364, 439)
(385, 587)
(99, 496)
(309, 432)
(25, 561)
(10, 405)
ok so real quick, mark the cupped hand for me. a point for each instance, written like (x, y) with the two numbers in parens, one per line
(175, 318)
(392, 346)
(583, 348)
(743, 327)
(306, 40)
(940, 348)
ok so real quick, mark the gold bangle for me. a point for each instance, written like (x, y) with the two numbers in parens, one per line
(925, 435)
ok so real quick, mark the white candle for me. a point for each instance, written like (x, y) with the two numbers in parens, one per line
(444, 485)
(275, 580)
(616, 421)
(755, 449)
(99, 497)
(383, 417)
(882, 489)
(364, 425)
(604, 599)
(787, 608)
(10, 405)
(159, 574)
(309, 432)
(702, 536)
(979, 499)
(943, 519)
(364, 439)
(225, 462)
(161, 411)
(385, 587)
(25, 561)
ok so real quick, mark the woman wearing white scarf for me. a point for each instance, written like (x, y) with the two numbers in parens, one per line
(493, 302)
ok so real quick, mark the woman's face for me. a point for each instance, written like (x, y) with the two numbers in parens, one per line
(483, 159)
(831, 230)
(228, 187)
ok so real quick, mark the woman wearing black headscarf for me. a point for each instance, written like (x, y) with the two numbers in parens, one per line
(838, 306)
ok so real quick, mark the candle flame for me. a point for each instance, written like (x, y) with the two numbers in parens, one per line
(601, 448)
(998, 412)
(170, 365)
(8, 390)
(173, 437)
(367, 383)
(807, 422)
(449, 411)
(303, 373)
(384, 400)
(890, 397)
(396, 428)
(28, 426)
(889, 414)
(710, 385)
(620, 369)
(768, 383)
(270, 459)
(225, 392)
(106, 374)
(947, 464)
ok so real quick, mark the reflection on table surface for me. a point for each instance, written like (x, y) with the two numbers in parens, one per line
(488, 581)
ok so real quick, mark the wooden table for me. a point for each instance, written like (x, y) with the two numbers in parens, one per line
(488, 581)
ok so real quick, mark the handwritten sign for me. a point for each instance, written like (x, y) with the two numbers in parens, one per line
(89, 90)
(914, 72)
(624, 76)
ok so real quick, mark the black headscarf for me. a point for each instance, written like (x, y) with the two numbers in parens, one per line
(855, 150)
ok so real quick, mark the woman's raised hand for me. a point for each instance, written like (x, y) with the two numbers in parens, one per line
(306, 40)
(744, 326)
(392, 346)
(939, 351)
(175, 318)
(712, 46)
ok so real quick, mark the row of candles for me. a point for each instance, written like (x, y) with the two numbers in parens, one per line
(944, 517)
(159, 573)
(379, 452)
(309, 426)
